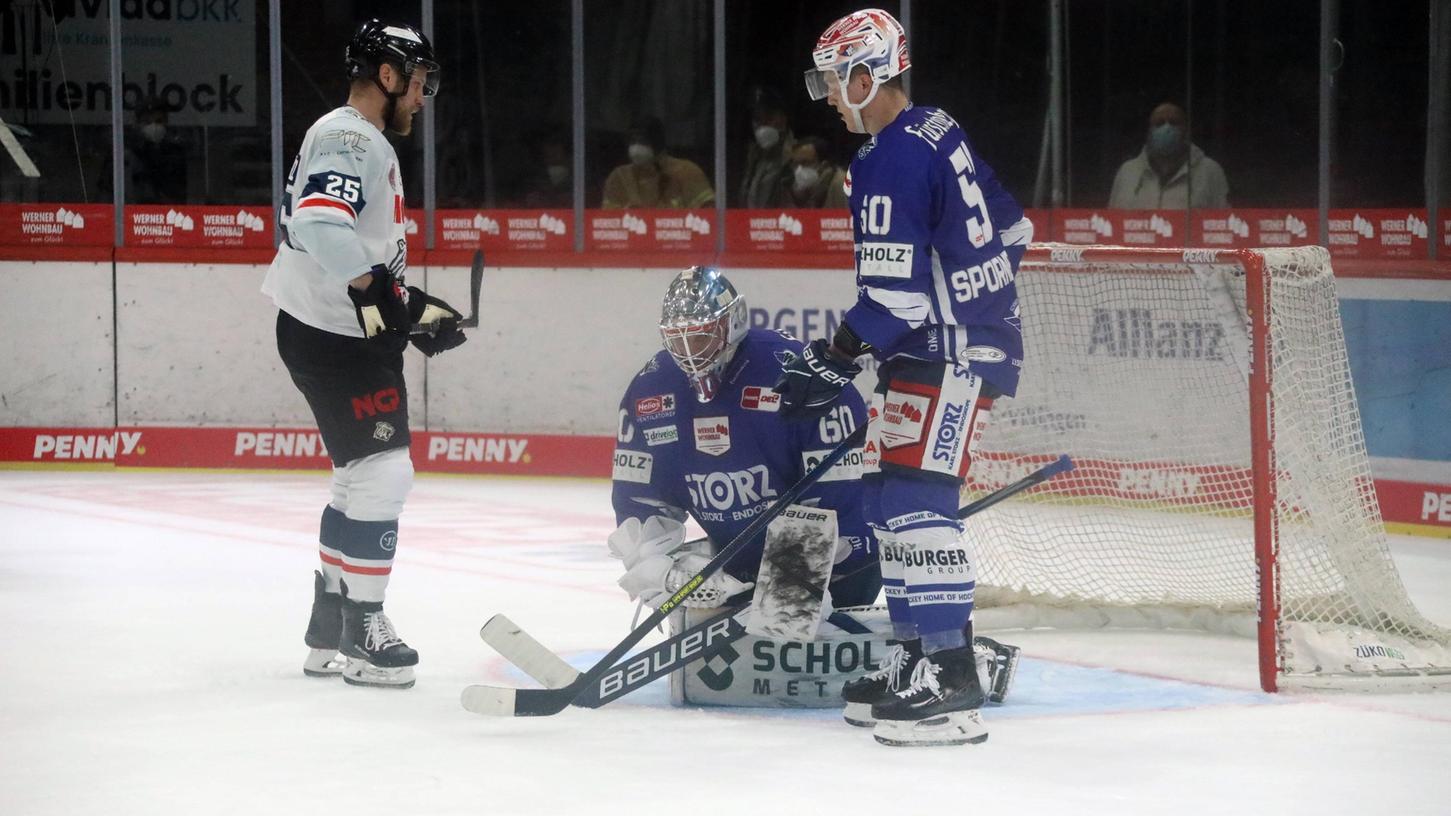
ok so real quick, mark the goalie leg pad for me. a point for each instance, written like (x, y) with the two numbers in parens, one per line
(790, 599)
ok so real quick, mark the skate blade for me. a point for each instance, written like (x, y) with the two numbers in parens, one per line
(1004, 681)
(957, 728)
(859, 715)
(324, 663)
(363, 673)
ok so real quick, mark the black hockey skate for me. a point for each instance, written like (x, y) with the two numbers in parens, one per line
(376, 655)
(879, 685)
(324, 631)
(940, 707)
(1002, 664)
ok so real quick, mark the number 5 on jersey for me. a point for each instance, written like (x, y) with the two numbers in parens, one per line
(979, 230)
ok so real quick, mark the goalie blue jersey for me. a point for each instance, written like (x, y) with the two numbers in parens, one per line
(938, 242)
(727, 460)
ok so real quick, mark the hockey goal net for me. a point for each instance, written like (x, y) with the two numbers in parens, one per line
(1222, 481)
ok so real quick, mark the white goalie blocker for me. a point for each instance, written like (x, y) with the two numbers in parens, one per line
(798, 651)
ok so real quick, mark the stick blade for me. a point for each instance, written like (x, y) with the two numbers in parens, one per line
(526, 653)
(490, 701)
(476, 284)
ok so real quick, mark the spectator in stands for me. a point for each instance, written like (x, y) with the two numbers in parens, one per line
(155, 159)
(813, 180)
(768, 159)
(653, 178)
(1169, 170)
(551, 182)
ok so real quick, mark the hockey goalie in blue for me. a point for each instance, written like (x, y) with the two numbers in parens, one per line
(700, 434)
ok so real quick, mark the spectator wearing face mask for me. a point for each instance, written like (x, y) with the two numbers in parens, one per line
(1170, 172)
(155, 159)
(551, 184)
(813, 181)
(654, 179)
(768, 159)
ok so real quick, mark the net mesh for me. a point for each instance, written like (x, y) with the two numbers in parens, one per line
(1139, 371)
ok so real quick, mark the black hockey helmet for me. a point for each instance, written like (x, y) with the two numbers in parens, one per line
(376, 42)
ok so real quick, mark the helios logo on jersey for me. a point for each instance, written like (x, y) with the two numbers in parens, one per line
(479, 449)
(713, 435)
(632, 466)
(662, 405)
(94, 447)
(759, 398)
(279, 443)
(903, 418)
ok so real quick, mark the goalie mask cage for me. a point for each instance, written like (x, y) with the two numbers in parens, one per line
(1222, 480)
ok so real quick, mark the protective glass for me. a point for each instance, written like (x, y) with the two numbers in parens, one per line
(430, 81)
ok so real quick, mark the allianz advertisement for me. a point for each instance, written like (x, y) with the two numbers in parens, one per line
(197, 57)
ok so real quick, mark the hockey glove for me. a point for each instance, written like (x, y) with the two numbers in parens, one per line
(382, 310)
(438, 318)
(811, 383)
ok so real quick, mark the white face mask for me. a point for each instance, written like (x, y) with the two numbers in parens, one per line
(558, 173)
(767, 137)
(153, 132)
(806, 177)
(641, 154)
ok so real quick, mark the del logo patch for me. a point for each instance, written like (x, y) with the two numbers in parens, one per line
(760, 398)
(713, 435)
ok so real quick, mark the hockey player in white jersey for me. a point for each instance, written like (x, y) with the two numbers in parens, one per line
(344, 319)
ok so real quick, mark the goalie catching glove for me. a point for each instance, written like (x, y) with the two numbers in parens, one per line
(658, 562)
(387, 312)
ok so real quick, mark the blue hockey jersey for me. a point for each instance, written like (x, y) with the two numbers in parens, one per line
(727, 460)
(938, 242)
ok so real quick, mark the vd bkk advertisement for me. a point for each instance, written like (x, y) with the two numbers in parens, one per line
(195, 57)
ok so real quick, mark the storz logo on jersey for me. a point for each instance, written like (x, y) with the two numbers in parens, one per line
(760, 398)
(632, 466)
(731, 490)
(883, 260)
(946, 448)
(713, 435)
(662, 405)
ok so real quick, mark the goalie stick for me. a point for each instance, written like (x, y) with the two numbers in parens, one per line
(510, 702)
(701, 641)
(476, 283)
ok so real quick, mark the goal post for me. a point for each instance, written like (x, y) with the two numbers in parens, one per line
(1222, 481)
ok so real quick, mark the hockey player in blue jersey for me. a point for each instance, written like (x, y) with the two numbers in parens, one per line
(699, 434)
(938, 243)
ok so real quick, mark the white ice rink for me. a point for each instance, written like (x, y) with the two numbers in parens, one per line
(153, 641)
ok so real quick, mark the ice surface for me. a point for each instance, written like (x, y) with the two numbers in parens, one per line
(153, 642)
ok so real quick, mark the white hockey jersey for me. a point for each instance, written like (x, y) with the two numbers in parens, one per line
(342, 213)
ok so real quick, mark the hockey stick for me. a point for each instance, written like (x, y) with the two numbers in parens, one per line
(476, 283)
(509, 702)
(698, 642)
